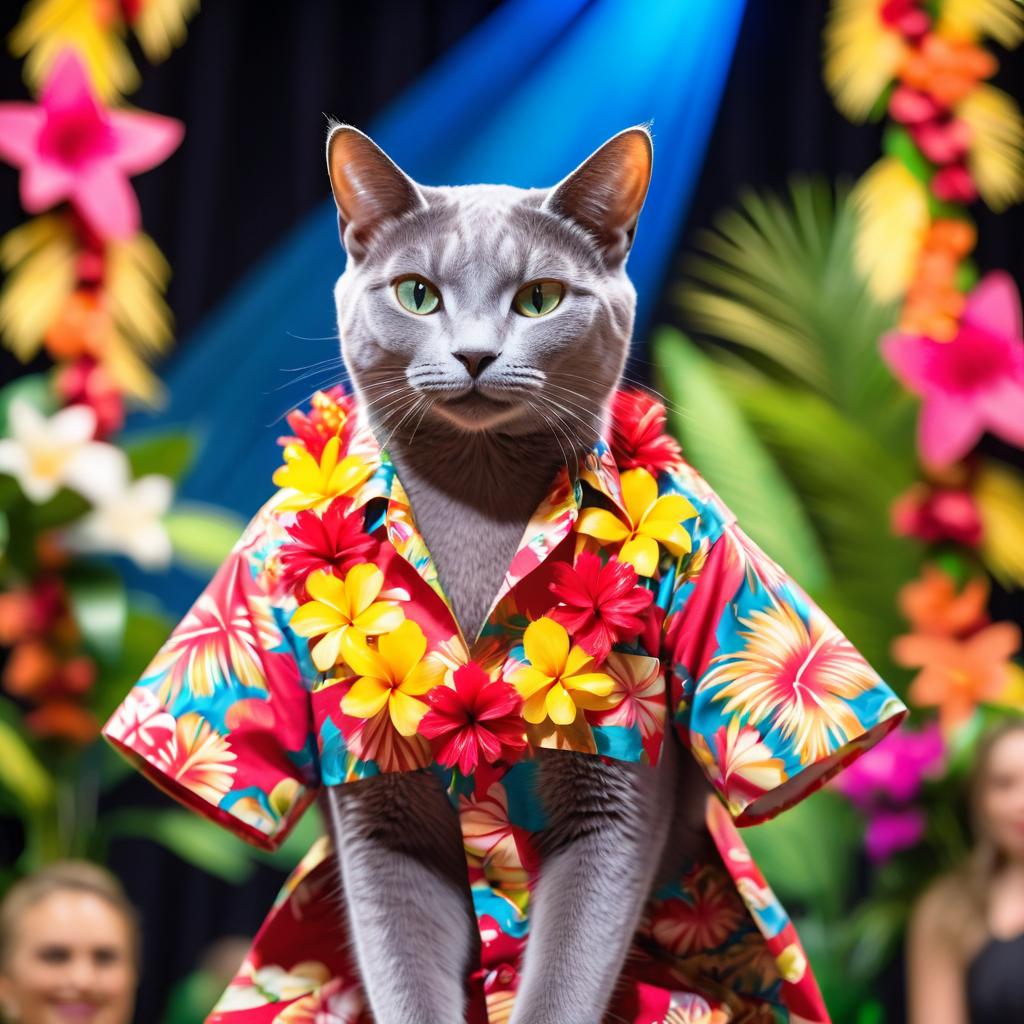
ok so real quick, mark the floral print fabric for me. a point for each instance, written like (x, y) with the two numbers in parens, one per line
(325, 651)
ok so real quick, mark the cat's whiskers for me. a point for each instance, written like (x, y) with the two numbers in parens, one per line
(643, 385)
(412, 409)
(574, 442)
(589, 410)
(554, 434)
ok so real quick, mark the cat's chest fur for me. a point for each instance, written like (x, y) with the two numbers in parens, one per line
(472, 551)
(472, 501)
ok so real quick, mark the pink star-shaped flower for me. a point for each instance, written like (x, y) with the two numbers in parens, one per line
(69, 146)
(971, 384)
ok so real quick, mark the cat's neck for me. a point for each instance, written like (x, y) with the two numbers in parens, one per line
(502, 477)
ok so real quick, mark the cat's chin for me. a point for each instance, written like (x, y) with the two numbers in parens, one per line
(476, 413)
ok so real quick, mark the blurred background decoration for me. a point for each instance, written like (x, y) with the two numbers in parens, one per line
(832, 353)
(80, 498)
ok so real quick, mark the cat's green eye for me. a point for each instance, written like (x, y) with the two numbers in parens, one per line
(417, 295)
(538, 298)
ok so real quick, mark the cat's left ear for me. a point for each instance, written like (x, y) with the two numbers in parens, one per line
(606, 192)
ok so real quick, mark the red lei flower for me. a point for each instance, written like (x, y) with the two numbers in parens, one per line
(330, 415)
(638, 437)
(600, 604)
(333, 542)
(477, 721)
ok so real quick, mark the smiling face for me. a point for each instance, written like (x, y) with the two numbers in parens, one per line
(71, 961)
(487, 308)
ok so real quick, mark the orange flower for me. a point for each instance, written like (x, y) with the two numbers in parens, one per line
(946, 69)
(63, 720)
(82, 327)
(31, 667)
(952, 235)
(956, 675)
(933, 605)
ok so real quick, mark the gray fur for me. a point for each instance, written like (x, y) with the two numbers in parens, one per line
(476, 453)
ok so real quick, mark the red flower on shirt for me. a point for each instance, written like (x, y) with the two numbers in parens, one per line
(638, 437)
(478, 720)
(333, 542)
(330, 415)
(599, 604)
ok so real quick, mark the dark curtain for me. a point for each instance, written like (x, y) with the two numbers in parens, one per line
(253, 84)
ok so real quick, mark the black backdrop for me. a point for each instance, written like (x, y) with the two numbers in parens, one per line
(252, 84)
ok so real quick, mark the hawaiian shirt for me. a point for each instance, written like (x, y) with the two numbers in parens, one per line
(325, 650)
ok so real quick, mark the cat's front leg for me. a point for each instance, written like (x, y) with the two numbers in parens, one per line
(607, 827)
(406, 894)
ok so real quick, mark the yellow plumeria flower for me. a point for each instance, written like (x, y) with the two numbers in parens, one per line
(650, 520)
(315, 484)
(342, 606)
(392, 676)
(556, 682)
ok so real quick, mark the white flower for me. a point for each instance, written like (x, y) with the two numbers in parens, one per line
(128, 522)
(44, 455)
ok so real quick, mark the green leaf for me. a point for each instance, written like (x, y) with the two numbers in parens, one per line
(100, 607)
(169, 453)
(897, 142)
(777, 278)
(718, 440)
(146, 629)
(21, 773)
(193, 839)
(63, 508)
(35, 389)
(876, 930)
(202, 535)
(824, 823)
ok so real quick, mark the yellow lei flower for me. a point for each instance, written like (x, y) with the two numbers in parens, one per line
(339, 607)
(556, 683)
(315, 484)
(392, 676)
(650, 520)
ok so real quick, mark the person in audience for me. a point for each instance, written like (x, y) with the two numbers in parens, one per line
(69, 948)
(965, 946)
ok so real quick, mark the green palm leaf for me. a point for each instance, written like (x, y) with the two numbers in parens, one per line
(720, 443)
(777, 279)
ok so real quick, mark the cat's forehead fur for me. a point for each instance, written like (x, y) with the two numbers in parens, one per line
(499, 231)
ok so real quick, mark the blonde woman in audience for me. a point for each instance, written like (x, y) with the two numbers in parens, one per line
(965, 951)
(69, 948)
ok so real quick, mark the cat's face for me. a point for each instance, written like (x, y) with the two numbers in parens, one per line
(487, 308)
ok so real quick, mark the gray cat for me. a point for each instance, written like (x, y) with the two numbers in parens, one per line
(478, 406)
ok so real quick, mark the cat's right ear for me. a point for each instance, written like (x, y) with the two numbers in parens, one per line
(368, 187)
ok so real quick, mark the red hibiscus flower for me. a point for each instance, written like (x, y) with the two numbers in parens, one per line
(638, 433)
(333, 542)
(478, 720)
(599, 604)
(330, 415)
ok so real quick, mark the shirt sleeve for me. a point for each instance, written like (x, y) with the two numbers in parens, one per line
(221, 718)
(772, 699)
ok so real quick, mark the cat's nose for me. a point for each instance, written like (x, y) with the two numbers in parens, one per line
(475, 362)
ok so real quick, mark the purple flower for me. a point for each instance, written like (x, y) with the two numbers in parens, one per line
(892, 771)
(888, 832)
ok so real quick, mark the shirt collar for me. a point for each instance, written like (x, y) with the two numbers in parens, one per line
(552, 521)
